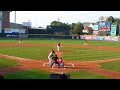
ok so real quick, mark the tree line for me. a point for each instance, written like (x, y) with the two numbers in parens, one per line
(76, 28)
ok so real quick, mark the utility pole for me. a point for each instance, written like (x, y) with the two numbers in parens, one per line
(15, 21)
(15, 17)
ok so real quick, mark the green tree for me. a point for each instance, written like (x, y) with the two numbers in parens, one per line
(111, 19)
(72, 27)
(57, 23)
(78, 28)
(117, 21)
(40, 27)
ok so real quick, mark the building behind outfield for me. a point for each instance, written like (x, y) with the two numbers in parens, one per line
(4, 21)
(8, 29)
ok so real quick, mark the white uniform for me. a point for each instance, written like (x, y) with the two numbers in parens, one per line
(20, 41)
(85, 43)
(50, 57)
(58, 47)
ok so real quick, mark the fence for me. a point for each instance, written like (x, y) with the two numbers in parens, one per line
(49, 36)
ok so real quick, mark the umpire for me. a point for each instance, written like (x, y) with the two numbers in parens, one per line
(55, 58)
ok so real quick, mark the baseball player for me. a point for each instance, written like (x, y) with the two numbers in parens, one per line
(61, 62)
(55, 58)
(58, 47)
(50, 56)
(20, 39)
(85, 42)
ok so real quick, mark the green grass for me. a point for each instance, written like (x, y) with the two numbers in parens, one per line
(115, 66)
(86, 54)
(7, 62)
(28, 74)
(65, 41)
(86, 75)
(103, 43)
(40, 74)
(41, 52)
(35, 52)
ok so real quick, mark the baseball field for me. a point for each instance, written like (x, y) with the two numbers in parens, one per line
(97, 60)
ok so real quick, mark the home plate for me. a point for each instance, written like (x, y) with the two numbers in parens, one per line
(43, 64)
(69, 65)
(73, 65)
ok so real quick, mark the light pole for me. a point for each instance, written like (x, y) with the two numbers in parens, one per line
(15, 17)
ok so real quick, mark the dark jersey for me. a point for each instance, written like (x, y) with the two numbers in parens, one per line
(55, 58)
(58, 44)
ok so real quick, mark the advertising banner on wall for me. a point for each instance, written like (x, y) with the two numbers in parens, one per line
(113, 30)
(98, 38)
(107, 38)
(104, 26)
(82, 37)
(115, 39)
(94, 38)
(88, 37)
(95, 27)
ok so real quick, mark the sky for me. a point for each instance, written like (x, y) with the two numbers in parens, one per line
(44, 18)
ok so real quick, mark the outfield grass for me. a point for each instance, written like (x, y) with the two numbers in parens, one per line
(115, 66)
(40, 74)
(65, 41)
(41, 52)
(103, 43)
(7, 62)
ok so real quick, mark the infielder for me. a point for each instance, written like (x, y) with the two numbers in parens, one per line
(58, 47)
(85, 42)
(20, 39)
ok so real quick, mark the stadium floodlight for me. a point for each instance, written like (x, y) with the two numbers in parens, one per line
(15, 17)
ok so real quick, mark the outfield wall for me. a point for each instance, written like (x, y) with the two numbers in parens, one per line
(107, 38)
(49, 36)
(87, 37)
